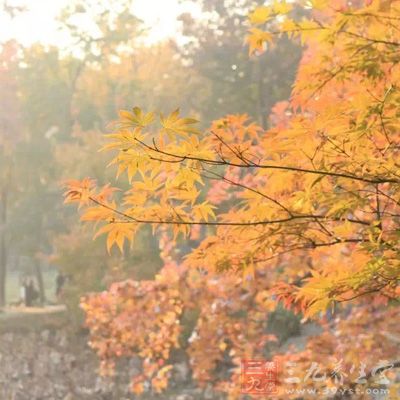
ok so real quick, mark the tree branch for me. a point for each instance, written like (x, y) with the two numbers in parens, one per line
(179, 158)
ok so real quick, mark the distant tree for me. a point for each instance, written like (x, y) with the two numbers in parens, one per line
(235, 82)
(10, 134)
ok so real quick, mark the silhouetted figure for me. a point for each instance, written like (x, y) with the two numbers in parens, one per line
(60, 282)
(31, 293)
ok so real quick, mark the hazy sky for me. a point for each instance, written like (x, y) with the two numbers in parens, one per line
(39, 23)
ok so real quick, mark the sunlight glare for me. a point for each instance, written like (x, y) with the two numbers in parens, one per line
(38, 23)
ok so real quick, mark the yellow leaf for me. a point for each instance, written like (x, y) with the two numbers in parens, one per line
(181, 126)
(97, 214)
(135, 118)
(257, 39)
(260, 15)
(204, 211)
(117, 233)
(281, 7)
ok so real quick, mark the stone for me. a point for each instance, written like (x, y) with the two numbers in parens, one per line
(55, 357)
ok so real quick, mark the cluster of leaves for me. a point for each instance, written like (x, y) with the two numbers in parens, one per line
(148, 319)
(349, 353)
(307, 211)
(138, 318)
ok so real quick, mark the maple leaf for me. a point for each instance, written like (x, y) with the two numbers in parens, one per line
(204, 211)
(257, 40)
(98, 213)
(136, 118)
(260, 15)
(79, 191)
(172, 124)
(117, 233)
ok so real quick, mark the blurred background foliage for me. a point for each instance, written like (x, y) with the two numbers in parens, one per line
(56, 104)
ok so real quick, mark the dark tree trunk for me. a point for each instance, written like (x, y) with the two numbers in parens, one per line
(39, 277)
(3, 247)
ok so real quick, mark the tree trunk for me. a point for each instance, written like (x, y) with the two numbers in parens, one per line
(3, 248)
(39, 277)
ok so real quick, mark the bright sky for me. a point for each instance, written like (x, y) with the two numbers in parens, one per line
(39, 24)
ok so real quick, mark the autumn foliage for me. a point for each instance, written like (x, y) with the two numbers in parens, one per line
(306, 212)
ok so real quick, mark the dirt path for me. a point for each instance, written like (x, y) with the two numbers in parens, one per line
(32, 318)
